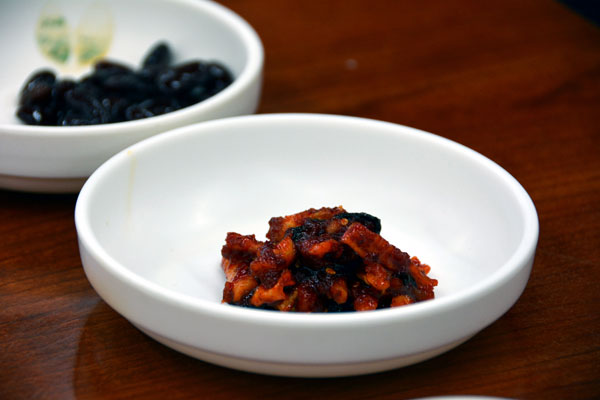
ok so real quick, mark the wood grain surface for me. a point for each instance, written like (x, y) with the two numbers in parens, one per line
(518, 81)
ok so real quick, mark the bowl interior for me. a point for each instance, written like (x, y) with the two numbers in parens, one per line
(162, 208)
(123, 31)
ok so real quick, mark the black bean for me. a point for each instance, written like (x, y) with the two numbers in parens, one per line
(137, 111)
(114, 92)
(159, 56)
(114, 107)
(111, 66)
(61, 87)
(163, 81)
(219, 72)
(72, 118)
(38, 88)
(86, 106)
(128, 83)
(29, 114)
(198, 93)
(180, 79)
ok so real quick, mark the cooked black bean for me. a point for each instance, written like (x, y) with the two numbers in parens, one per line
(111, 66)
(137, 111)
(31, 115)
(160, 56)
(114, 92)
(219, 72)
(38, 89)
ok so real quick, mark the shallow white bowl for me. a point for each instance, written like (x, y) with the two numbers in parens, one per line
(59, 159)
(152, 220)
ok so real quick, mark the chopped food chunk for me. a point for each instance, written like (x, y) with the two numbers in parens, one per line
(322, 260)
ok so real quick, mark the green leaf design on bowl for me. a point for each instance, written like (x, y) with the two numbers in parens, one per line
(82, 46)
(53, 36)
(94, 32)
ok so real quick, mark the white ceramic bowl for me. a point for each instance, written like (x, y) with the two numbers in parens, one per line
(59, 159)
(152, 220)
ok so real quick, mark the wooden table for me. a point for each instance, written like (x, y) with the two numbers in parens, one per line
(518, 81)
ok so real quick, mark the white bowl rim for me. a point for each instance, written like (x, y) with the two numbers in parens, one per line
(517, 261)
(250, 72)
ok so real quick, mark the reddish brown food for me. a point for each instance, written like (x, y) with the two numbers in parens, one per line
(322, 260)
(278, 226)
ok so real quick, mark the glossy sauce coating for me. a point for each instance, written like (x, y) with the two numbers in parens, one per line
(322, 260)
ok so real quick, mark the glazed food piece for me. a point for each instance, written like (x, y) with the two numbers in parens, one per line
(322, 260)
(117, 93)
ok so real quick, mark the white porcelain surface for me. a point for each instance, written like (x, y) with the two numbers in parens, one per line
(152, 220)
(65, 156)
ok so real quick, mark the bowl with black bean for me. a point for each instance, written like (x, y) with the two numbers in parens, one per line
(96, 76)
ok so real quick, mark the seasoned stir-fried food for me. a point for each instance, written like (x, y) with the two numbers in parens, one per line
(322, 260)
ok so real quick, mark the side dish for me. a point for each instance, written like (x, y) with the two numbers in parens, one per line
(115, 93)
(322, 260)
